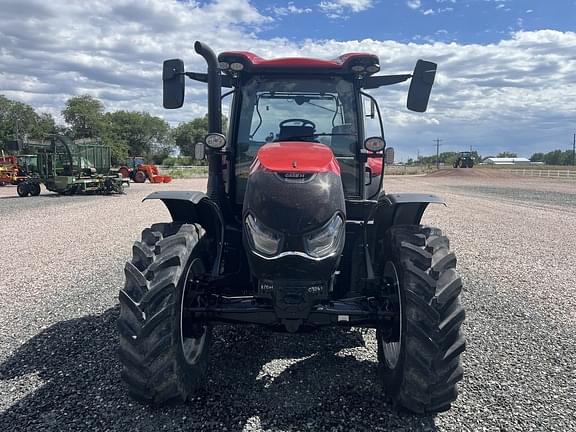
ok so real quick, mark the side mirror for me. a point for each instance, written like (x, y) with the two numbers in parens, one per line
(374, 144)
(371, 112)
(199, 151)
(421, 85)
(389, 156)
(173, 83)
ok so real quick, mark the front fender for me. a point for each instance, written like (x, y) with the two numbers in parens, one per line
(403, 208)
(196, 207)
(400, 209)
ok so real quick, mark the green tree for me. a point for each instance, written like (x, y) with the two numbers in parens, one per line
(554, 158)
(138, 134)
(187, 134)
(507, 154)
(84, 115)
(19, 120)
(537, 157)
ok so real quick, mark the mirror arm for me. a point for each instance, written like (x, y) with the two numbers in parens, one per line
(373, 82)
(196, 76)
(202, 77)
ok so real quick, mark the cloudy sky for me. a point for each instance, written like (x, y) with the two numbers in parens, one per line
(507, 68)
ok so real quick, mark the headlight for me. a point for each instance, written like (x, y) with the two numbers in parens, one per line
(263, 239)
(326, 240)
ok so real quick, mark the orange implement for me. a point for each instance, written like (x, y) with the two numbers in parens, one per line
(153, 174)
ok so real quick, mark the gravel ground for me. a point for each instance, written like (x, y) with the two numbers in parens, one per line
(62, 268)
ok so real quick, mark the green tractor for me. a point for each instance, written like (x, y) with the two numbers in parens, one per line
(70, 167)
(464, 160)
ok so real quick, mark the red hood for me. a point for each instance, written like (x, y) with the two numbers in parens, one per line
(297, 157)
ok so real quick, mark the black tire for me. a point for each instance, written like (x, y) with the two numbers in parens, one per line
(139, 177)
(22, 189)
(34, 189)
(423, 379)
(156, 368)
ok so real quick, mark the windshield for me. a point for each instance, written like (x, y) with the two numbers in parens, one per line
(319, 110)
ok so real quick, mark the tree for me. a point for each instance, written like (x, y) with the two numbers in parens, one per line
(554, 158)
(507, 154)
(84, 115)
(187, 134)
(138, 134)
(19, 120)
(537, 157)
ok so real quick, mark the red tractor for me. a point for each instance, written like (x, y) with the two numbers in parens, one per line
(288, 235)
(136, 170)
(8, 169)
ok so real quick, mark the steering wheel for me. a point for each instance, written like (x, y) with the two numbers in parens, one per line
(303, 122)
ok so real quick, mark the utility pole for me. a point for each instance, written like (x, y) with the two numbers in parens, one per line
(574, 151)
(437, 141)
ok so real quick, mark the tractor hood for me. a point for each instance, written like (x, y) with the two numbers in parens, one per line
(296, 157)
(294, 187)
(294, 212)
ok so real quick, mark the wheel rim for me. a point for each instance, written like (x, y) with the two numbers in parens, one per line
(392, 349)
(192, 347)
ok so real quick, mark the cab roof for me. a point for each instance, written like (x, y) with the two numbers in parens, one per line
(345, 64)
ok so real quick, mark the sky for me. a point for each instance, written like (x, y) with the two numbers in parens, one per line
(506, 68)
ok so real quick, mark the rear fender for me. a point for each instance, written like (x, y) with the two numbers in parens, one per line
(196, 207)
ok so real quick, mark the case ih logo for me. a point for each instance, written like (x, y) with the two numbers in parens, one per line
(295, 176)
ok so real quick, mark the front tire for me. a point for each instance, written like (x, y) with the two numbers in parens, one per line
(419, 353)
(34, 189)
(163, 360)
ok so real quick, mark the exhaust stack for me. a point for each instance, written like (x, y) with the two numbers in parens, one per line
(215, 177)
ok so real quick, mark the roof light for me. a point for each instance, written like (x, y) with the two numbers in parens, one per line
(223, 65)
(372, 68)
(358, 68)
(236, 66)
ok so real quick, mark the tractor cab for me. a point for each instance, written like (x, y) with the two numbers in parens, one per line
(298, 100)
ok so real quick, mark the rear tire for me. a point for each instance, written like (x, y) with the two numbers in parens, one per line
(163, 360)
(421, 371)
(22, 189)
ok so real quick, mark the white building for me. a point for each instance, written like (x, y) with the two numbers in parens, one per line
(507, 161)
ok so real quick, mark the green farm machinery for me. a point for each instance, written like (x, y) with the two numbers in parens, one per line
(67, 166)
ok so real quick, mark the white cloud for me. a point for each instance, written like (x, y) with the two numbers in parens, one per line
(289, 9)
(520, 91)
(414, 4)
(340, 8)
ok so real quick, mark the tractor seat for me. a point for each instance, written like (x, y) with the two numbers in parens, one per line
(343, 145)
(296, 133)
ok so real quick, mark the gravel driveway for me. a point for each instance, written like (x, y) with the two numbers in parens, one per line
(62, 268)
